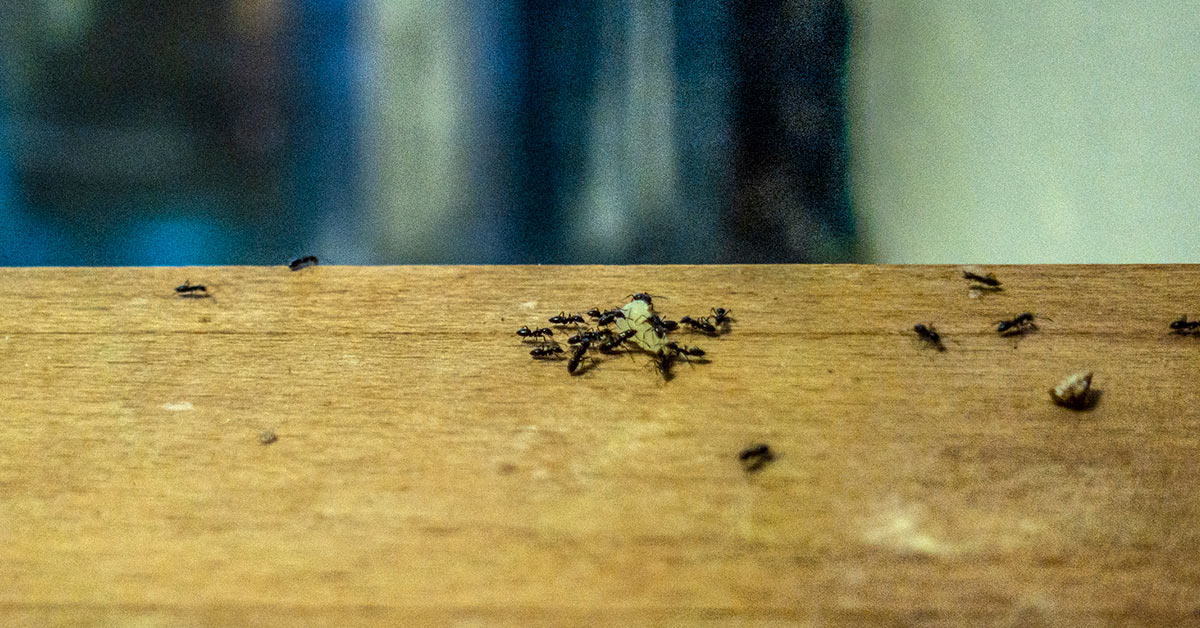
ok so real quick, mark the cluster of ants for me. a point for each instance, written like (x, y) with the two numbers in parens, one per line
(1014, 326)
(1075, 391)
(641, 325)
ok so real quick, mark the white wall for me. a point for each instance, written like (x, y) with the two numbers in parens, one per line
(1030, 131)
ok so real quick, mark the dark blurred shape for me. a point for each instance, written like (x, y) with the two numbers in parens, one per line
(791, 201)
(233, 131)
(175, 132)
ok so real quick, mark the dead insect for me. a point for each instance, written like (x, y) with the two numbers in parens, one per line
(303, 262)
(189, 290)
(721, 316)
(546, 351)
(699, 324)
(930, 335)
(987, 280)
(564, 319)
(526, 332)
(756, 457)
(1018, 325)
(577, 356)
(1183, 325)
(1075, 392)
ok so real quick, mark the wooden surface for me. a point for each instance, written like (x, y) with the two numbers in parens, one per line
(427, 471)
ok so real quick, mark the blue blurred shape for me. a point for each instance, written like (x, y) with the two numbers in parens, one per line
(179, 241)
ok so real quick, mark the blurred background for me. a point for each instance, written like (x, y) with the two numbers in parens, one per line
(163, 132)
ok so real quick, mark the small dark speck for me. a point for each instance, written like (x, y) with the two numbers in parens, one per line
(507, 468)
(267, 437)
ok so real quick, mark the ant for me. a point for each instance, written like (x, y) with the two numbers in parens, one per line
(642, 296)
(1183, 325)
(546, 351)
(191, 291)
(564, 319)
(303, 262)
(611, 344)
(577, 356)
(692, 351)
(987, 280)
(930, 335)
(663, 362)
(526, 332)
(721, 316)
(756, 457)
(1018, 325)
(699, 324)
(608, 317)
(591, 335)
(660, 326)
(656, 321)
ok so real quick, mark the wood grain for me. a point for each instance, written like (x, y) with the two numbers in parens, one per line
(428, 471)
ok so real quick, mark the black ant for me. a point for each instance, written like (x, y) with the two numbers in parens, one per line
(526, 332)
(546, 351)
(756, 457)
(577, 356)
(1018, 325)
(699, 324)
(692, 351)
(191, 291)
(303, 262)
(987, 280)
(608, 317)
(930, 335)
(721, 316)
(591, 335)
(612, 343)
(564, 319)
(642, 296)
(663, 362)
(1183, 325)
(660, 326)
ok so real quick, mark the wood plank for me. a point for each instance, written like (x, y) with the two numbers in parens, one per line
(427, 470)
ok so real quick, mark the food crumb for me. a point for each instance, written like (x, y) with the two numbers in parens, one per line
(1075, 392)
